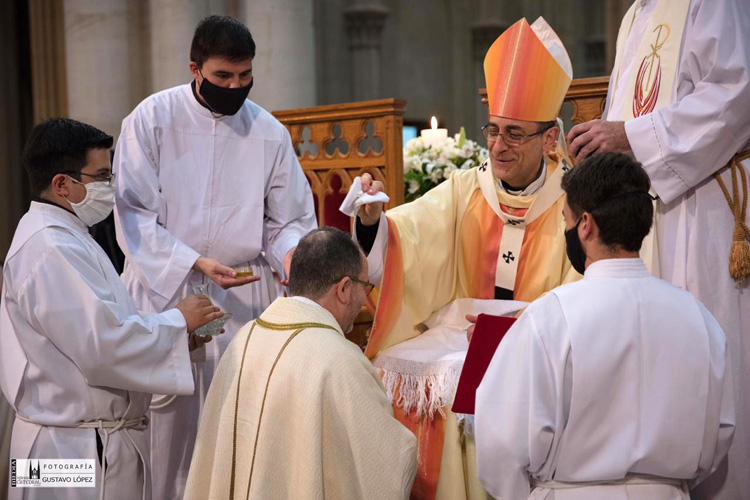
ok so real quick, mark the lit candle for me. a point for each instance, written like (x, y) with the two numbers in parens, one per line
(434, 135)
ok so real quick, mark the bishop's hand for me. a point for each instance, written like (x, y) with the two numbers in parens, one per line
(224, 276)
(470, 331)
(369, 213)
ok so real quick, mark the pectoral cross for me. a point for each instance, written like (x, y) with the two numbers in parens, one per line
(508, 257)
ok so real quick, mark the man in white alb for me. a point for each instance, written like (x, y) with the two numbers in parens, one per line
(615, 387)
(78, 361)
(678, 100)
(207, 181)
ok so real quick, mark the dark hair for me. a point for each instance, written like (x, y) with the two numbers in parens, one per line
(613, 188)
(221, 36)
(547, 125)
(59, 146)
(322, 258)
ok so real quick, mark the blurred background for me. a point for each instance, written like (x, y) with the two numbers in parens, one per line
(95, 60)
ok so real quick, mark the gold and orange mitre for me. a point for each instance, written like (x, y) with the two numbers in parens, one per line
(527, 72)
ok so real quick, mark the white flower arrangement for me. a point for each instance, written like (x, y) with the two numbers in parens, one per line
(427, 166)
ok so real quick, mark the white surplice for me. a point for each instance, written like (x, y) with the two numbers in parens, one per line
(74, 348)
(192, 184)
(681, 146)
(620, 373)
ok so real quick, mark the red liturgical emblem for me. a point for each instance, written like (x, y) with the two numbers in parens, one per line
(648, 80)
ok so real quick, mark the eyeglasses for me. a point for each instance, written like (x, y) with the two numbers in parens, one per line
(513, 139)
(366, 284)
(108, 178)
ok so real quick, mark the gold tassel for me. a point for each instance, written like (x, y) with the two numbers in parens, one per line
(739, 255)
(739, 261)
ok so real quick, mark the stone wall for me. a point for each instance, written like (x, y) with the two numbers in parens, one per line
(120, 51)
(430, 52)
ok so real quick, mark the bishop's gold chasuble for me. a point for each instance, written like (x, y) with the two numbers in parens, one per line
(467, 238)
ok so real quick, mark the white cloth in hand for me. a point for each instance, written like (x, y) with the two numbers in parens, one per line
(356, 198)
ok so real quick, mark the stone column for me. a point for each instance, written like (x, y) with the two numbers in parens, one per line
(613, 14)
(15, 124)
(173, 24)
(594, 41)
(484, 33)
(364, 27)
(567, 17)
(107, 66)
(49, 83)
(284, 64)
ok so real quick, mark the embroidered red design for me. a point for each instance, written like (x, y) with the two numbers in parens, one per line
(648, 79)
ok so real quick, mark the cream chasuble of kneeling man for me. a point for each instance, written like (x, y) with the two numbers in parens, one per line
(617, 387)
(463, 244)
(297, 411)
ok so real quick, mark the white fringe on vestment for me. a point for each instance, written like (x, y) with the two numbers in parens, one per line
(421, 374)
(420, 388)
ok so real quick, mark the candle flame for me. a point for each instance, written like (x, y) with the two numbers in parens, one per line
(434, 123)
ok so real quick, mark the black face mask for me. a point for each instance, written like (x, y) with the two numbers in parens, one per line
(574, 249)
(224, 101)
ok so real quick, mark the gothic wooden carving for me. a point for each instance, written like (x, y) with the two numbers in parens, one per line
(588, 97)
(337, 143)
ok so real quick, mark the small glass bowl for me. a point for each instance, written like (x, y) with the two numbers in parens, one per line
(213, 328)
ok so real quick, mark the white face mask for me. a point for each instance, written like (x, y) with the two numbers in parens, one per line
(98, 203)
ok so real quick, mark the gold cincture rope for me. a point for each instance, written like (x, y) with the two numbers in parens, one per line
(739, 256)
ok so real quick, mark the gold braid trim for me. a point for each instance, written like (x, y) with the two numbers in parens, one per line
(290, 326)
(298, 327)
(236, 412)
(263, 405)
(739, 256)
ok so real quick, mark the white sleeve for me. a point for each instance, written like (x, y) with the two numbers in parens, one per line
(686, 142)
(160, 260)
(68, 300)
(289, 212)
(515, 417)
(376, 257)
(720, 407)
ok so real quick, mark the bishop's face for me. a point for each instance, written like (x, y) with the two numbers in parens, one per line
(517, 149)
